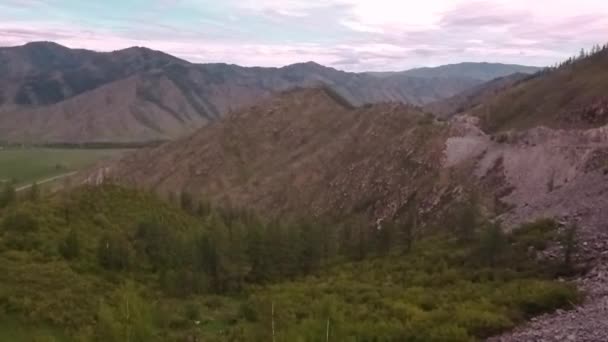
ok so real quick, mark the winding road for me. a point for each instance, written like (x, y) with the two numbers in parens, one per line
(47, 180)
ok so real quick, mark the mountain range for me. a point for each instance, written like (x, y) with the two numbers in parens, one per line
(406, 148)
(313, 149)
(53, 94)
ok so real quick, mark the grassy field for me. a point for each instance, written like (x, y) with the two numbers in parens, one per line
(26, 165)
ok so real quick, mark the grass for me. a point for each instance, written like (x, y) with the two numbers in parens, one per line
(26, 165)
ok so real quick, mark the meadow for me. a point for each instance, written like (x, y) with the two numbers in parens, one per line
(27, 165)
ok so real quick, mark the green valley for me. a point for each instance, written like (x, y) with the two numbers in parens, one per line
(29, 164)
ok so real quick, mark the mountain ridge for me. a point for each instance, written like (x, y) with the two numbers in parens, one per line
(45, 79)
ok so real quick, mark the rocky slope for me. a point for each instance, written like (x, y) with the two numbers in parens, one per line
(49, 93)
(305, 151)
(548, 163)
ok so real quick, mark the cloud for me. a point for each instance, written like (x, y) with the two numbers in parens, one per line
(350, 34)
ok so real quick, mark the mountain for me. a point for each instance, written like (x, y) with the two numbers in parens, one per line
(534, 148)
(305, 151)
(478, 71)
(475, 96)
(54, 94)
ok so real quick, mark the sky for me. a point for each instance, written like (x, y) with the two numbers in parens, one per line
(353, 35)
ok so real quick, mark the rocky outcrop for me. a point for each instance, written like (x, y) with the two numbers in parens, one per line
(539, 173)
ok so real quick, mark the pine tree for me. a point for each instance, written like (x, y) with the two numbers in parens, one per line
(582, 54)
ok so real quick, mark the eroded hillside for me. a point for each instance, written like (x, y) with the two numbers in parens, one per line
(305, 151)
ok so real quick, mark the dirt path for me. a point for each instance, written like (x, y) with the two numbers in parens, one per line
(47, 180)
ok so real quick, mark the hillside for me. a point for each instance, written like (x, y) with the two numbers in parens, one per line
(307, 152)
(52, 94)
(304, 151)
(572, 96)
(480, 71)
(475, 96)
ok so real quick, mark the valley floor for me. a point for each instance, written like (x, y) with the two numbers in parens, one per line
(26, 165)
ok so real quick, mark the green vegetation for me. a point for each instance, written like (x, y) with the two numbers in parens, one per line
(560, 97)
(25, 165)
(112, 264)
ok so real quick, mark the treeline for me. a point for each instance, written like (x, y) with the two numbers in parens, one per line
(236, 247)
(596, 50)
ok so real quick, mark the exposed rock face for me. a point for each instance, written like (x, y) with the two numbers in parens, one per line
(561, 174)
(586, 323)
(555, 173)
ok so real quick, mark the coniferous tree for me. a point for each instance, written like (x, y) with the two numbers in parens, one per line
(237, 255)
(309, 255)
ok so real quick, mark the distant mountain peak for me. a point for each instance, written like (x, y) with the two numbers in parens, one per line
(310, 65)
(483, 71)
(45, 44)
